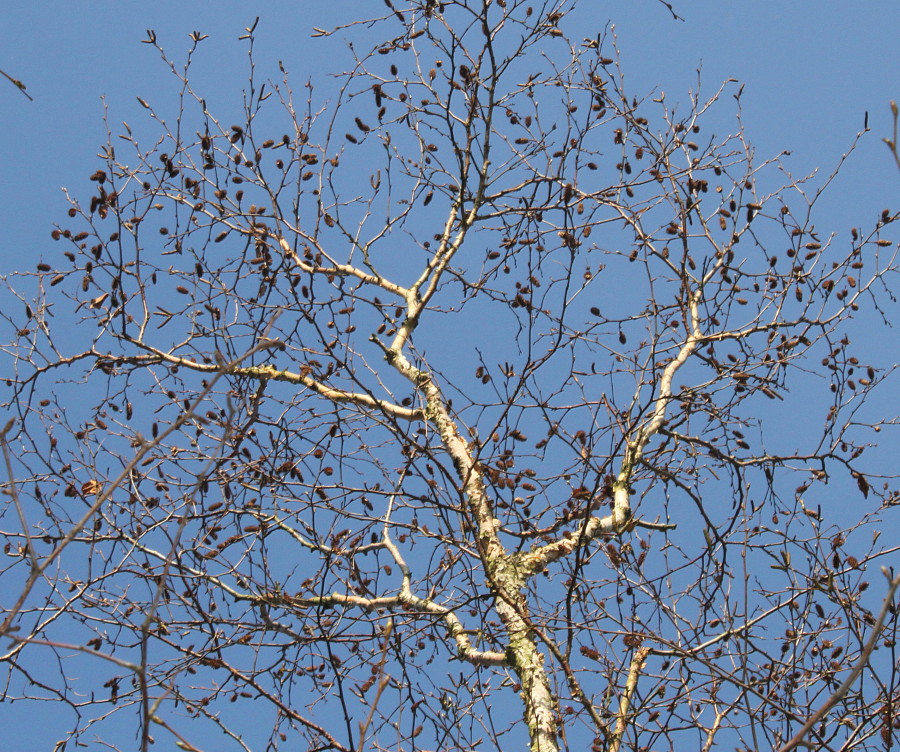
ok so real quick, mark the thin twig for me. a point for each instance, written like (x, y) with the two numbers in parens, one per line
(854, 674)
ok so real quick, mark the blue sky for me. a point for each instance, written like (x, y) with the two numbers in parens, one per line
(810, 72)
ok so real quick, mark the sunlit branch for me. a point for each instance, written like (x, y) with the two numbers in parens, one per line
(860, 665)
(271, 373)
(622, 716)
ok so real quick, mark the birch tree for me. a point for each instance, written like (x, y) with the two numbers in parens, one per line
(475, 402)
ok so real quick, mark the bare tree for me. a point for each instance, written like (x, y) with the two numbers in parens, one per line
(489, 406)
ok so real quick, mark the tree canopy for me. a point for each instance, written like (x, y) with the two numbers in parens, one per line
(474, 402)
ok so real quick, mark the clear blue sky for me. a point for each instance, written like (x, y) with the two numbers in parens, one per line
(811, 70)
